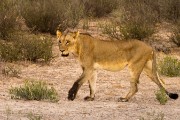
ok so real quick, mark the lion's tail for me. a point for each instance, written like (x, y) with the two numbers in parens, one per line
(160, 81)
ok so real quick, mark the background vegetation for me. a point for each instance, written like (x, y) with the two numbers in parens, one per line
(26, 47)
(137, 18)
(169, 66)
(176, 36)
(8, 16)
(128, 19)
(46, 15)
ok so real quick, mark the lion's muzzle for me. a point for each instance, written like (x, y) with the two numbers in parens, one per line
(64, 53)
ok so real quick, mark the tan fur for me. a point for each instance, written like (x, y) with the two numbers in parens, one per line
(112, 55)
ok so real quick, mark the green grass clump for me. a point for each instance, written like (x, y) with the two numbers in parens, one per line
(32, 116)
(170, 67)
(161, 96)
(34, 90)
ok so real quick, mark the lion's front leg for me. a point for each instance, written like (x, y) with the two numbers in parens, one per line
(92, 86)
(84, 78)
(73, 91)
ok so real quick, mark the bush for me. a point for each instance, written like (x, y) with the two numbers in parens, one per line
(170, 67)
(34, 90)
(158, 10)
(161, 96)
(111, 29)
(99, 8)
(138, 31)
(26, 47)
(128, 30)
(9, 52)
(135, 19)
(34, 48)
(46, 15)
(169, 10)
(7, 18)
(138, 20)
(132, 20)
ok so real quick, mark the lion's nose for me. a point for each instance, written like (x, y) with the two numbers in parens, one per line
(62, 50)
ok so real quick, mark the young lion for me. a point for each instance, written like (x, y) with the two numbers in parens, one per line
(112, 55)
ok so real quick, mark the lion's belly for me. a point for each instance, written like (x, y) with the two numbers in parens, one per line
(110, 66)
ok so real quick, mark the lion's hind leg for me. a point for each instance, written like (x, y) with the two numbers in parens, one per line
(153, 75)
(148, 69)
(135, 70)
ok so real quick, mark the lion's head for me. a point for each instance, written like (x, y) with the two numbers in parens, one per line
(67, 42)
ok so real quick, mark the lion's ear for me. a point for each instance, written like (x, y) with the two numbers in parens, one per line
(76, 35)
(58, 33)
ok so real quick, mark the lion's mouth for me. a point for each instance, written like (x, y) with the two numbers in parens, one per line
(65, 55)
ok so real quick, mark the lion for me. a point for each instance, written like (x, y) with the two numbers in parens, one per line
(111, 55)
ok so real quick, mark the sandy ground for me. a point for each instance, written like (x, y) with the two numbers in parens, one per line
(61, 74)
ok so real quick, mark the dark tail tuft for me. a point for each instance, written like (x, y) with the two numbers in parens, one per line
(173, 96)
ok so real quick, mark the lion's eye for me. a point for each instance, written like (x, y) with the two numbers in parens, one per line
(59, 42)
(67, 42)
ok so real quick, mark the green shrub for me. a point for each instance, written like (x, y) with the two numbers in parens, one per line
(46, 15)
(170, 67)
(7, 18)
(26, 47)
(34, 90)
(161, 96)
